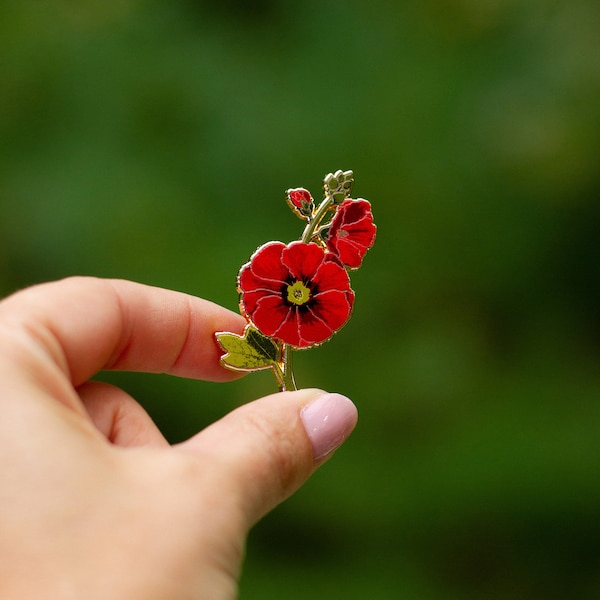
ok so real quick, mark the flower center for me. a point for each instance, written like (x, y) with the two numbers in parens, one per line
(298, 293)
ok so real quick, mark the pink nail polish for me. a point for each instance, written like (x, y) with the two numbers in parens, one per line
(328, 420)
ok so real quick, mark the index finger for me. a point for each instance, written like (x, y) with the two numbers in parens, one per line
(87, 324)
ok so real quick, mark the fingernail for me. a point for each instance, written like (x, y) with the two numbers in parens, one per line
(328, 420)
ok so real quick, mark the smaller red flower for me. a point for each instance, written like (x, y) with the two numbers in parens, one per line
(300, 201)
(297, 293)
(351, 232)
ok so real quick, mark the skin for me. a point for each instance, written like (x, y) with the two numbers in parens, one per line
(94, 503)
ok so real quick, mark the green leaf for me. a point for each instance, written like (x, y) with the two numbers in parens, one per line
(252, 351)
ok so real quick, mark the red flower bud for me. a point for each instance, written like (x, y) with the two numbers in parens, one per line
(301, 202)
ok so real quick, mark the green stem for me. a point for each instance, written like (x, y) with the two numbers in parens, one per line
(309, 230)
(287, 383)
(278, 371)
(285, 374)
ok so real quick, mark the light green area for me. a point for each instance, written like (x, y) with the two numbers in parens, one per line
(250, 352)
(298, 293)
(155, 140)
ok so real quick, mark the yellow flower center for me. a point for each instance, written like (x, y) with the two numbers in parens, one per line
(298, 293)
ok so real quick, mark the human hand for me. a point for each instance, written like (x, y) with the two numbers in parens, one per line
(94, 503)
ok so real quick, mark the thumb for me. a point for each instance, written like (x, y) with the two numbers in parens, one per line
(264, 451)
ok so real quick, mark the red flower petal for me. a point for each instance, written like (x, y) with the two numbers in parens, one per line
(351, 254)
(251, 299)
(331, 276)
(255, 287)
(247, 280)
(302, 259)
(361, 231)
(289, 330)
(352, 232)
(270, 313)
(334, 307)
(314, 328)
(266, 262)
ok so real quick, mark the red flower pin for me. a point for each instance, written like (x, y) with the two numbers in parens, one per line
(297, 295)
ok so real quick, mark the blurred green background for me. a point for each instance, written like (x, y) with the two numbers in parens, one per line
(154, 141)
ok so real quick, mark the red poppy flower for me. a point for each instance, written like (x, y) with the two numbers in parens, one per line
(297, 293)
(352, 232)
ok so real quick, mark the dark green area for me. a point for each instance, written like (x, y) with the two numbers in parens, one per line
(155, 140)
(264, 345)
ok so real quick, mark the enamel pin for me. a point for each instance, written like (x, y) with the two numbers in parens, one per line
(297, 295)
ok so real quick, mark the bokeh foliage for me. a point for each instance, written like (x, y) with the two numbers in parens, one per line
(154, 141)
